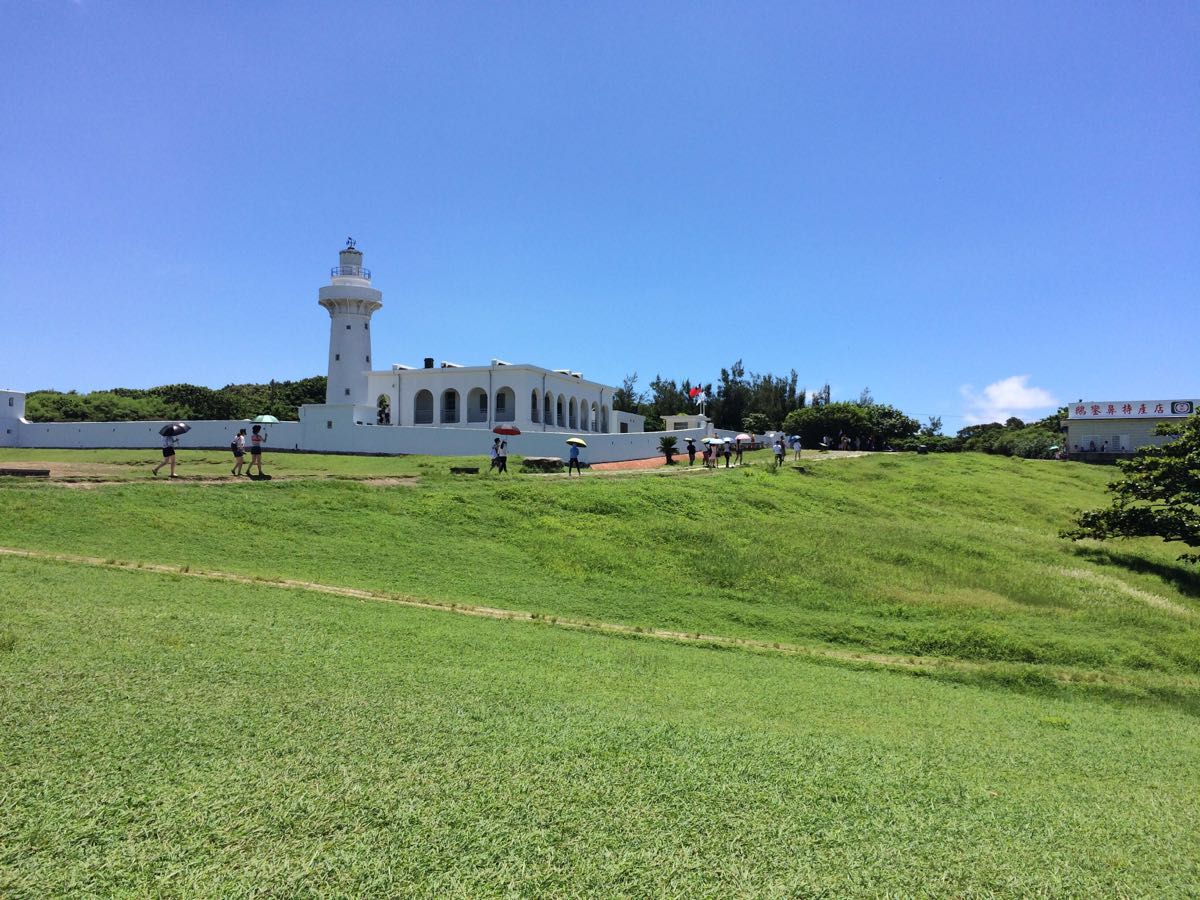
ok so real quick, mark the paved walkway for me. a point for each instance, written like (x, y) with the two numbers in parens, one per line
(655, 462)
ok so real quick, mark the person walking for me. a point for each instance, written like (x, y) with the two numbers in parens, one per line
(737, 453)
(705, 454)
(502, 458)
(779, 451)
(258, 437)
(495, 455)
(573, 461)
(796, 446)
(168, 452)
(691, 452)
(238, 446)
(728, 450)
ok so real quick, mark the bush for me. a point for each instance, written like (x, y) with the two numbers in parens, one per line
(934, 443)
(1027, 441)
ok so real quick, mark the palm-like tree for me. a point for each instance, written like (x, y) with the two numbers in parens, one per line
(668, 447)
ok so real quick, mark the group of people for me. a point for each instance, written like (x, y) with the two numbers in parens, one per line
(732, 451)
(779, 447)
(237, 446)
(258, 437)
(845, 442)
(711, 455)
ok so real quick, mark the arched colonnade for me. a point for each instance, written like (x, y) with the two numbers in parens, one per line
(554, 410)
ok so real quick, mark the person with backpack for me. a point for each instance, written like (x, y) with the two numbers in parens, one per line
(502, 458)
(238, 448)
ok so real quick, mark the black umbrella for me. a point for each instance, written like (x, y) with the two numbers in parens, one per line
(175, 430)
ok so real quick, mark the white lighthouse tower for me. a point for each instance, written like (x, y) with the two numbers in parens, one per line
(350, 300)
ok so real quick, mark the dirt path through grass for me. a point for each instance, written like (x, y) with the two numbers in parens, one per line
(926, 665)
(905, 662)
(97, 476)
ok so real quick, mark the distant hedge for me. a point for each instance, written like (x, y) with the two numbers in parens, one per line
(176, 401)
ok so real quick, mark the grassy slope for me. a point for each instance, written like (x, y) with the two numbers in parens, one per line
(948, 556)
(161, 734)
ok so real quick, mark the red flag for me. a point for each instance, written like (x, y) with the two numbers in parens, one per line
(693, 392)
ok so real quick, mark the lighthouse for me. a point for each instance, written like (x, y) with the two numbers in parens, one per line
(350, 300)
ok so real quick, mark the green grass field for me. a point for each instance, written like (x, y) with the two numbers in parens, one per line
(946, 697)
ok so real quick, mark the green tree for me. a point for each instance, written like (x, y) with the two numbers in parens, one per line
(1157, 496)
(815, 423)
(933, 427)
(889, 424)
(733, 397)
(627, 398)
(755, 423)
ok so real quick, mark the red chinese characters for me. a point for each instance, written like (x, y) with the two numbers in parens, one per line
(1142, 410)
(1112, 409)
(1158, 407)
(1095, 409)
(1127, 408)
(1081, 410)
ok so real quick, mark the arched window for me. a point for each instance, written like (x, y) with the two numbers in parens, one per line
(548, 408)
(562, 414)
(535, 408)
(583, 415)
(573, 414)
(506, 405)
(604, 419)
(423, 408)
(450, 411)
(595, 417)
(477, 405)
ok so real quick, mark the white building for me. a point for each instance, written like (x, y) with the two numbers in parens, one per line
(685, 422)
(1119, 427)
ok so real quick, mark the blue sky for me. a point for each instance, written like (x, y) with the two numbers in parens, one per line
(974, 209)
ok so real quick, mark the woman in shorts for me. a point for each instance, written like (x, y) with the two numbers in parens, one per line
(168, 451)
(257, 438)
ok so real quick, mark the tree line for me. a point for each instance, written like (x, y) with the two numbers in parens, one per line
(758, 403)
(176, 401)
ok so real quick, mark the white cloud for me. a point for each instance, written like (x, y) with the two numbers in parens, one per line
(1012, 396)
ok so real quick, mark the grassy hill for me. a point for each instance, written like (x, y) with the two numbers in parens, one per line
(171, 733)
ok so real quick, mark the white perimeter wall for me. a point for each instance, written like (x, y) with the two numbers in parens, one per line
(344, 437)
(446, 441)
(135, 435)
